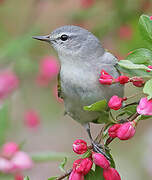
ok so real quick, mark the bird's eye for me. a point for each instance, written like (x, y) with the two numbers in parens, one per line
(64, 37)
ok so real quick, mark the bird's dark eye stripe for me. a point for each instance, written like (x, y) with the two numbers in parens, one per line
(64, 37)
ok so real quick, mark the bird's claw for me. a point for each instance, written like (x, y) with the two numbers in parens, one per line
(99, 149)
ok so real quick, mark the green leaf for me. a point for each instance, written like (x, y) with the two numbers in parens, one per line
(141, 56)
(98, 106)
(95, 175)
(130, 68)
(112, 162)
(145, 26)
(148, 89)
(104, 118)
(52, 178)
(87, 154)
(4, 124)
(130, 65)
(62, 165)
(131, 72)
(99, 173)
(26, 178)
(129, 110)
(90, 175)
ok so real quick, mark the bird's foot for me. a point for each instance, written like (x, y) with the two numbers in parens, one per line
(99, 149)
(96, 146)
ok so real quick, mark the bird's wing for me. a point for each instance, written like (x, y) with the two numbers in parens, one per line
(59, 87)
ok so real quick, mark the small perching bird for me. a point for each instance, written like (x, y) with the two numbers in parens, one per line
(82, 57)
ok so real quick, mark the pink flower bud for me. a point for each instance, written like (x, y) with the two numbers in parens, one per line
(150, 17)
(105, 78)
(126, 131)
(82, 166)
(137, 81)
(105, 81)
(111, 174)
(87, 3)
(8, 83)
(123, 79)
(115, 102)
(79, 146)
(6, 166)
(9, 149)
(22, 161)
(76, 176)
(150, 67)
(125, 32)
(32, 119)
(145, 107)
(112, 131)
(100, 160)
(48, 69)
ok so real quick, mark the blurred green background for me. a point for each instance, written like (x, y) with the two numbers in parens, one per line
(115, 23)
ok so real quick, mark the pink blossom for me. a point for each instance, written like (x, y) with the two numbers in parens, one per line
(150, 17)
(48, 69)
(8, 83)
(126, 131)
(100, 160)
(125, 32)
(76, 176)
(79, 146)
(82, 166)
(9, 149)
(22, 161)
(32, 119)
(111, 174)
(6, 166)
(145, 106)
(112, 131)
(115, 102)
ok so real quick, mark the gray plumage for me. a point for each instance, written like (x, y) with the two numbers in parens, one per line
(82, 58)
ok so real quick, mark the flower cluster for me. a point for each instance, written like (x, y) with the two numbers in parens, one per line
(107, 79)
(144, 107)
(123, 131)
(82, 166)
(12, 160)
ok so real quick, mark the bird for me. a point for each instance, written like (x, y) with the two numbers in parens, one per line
(82, 57)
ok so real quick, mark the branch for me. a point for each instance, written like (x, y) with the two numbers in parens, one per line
(65, 175)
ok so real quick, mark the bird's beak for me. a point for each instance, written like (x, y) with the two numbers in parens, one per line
(42, 38)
